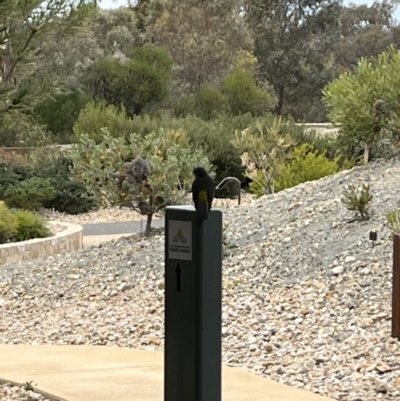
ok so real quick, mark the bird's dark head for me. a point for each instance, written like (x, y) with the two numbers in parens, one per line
(200, 172)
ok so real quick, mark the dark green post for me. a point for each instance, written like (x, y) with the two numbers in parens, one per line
(193, 305)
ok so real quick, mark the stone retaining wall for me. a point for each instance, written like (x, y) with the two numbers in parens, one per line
(70, 239)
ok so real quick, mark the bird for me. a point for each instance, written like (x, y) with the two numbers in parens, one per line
(203, 192)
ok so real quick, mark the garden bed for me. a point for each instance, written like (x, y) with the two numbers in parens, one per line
(68, 239)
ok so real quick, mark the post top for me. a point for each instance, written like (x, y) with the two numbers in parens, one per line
(181, 207)
(189, 208)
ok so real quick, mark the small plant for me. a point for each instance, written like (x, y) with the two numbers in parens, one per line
(28, 386)
(358, 199)
(8, 224)
(393, 219)
(30, 226)
(30, 194)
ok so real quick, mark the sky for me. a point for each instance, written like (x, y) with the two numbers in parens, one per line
(118, 3)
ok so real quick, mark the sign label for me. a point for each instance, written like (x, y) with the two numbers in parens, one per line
(180, 240)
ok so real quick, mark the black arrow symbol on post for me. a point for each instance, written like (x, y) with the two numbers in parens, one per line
(178, 272)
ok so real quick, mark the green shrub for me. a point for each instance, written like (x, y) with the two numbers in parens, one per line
(209, 102)
(33, 135)
(30, 225)
(136, 84)
(358, 199)
(8, 133)
(365, 103)
(393, 219)
(258, 186)
(13, 174)
(306, 165)
(72, 197)
(30, 194)
(8, 224)
(243, 95)
(60, 114)
(94, 117)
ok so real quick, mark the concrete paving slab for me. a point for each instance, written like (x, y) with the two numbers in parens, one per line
(89, 373)
(120, 227)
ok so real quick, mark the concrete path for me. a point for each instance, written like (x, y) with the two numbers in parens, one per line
(94, 373)
(96, 233)
(123, 227)
(88, 373)
(94, 240)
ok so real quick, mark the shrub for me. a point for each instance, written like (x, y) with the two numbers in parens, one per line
(169, 182)
(258, 185)
(96, 116)
(393, 219)
(13, 174)
(8, 133)
(30, 194)
(264, 149)
(306, 165)
(8, 224)
(29, 226)
(33, 135)
(61, 113)
(365, 103)
(209, 102)
(243, 95)
(71, 196)
(358, 200)
(136, 84)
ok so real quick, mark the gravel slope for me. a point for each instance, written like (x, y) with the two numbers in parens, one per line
(307, 299)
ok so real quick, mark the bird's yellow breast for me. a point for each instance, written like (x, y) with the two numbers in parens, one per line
(203, 196)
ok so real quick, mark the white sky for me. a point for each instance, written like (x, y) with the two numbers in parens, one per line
(118, 3)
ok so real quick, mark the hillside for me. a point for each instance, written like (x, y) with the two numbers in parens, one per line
(307, 299)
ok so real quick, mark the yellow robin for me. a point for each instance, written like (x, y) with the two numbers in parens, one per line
(203, 192)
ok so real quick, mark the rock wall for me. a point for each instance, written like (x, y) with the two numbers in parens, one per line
(70, 239)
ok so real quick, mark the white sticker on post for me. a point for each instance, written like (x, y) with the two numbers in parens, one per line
(180, 240)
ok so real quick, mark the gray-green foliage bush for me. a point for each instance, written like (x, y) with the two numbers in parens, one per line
(169, 155)
(33, 135)
(213, 136)
(365, 104)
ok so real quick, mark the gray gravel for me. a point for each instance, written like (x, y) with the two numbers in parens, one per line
(307, 299)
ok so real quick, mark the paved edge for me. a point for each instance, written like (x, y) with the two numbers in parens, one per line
(51, 397)
(96, 240)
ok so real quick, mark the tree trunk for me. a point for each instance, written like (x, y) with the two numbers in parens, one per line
(148, 225)
(279, 104)
(366, 153)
